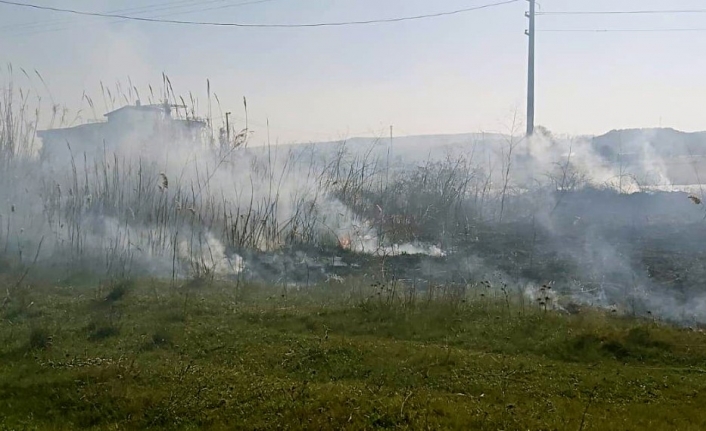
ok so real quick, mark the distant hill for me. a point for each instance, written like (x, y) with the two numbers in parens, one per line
(675, 156)
(665, 142)
(681, 155)
(408, 148)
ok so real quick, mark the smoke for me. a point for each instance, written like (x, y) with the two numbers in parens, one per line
(150, 193)
(600, 218)
(604, 218)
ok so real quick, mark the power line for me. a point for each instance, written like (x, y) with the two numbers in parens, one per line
(141, 9)
(31, 32)
(227, 6)
(624, 12)
(232, 24)
(625, 30)
(150, 10)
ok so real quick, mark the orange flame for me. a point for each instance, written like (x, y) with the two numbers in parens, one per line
(345, 242)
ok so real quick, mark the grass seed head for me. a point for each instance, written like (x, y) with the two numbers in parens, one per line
(163, 182)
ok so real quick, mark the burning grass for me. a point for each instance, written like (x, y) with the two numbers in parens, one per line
(346, 329)
(344, 356)
(189, 206)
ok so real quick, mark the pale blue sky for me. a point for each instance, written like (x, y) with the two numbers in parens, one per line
(455, 74)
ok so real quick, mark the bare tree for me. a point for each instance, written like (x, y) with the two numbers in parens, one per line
(507, 154)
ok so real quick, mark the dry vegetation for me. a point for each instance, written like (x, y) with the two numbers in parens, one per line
(125, 302)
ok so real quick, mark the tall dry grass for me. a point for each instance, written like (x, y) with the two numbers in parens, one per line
(192, 209)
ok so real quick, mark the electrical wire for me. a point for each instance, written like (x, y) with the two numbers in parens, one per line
(227, 6)
(233, 24)
(142, 9)
(624, 30)
(624, 12)
(32, 32)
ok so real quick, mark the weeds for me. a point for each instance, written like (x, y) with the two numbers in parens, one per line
(99, 331)
(119, 212)
(160, 338)
(39, 338)
(346, 364)
(118, 290)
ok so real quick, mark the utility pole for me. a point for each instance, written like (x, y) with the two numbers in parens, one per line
(228, 128)
(530, 68)
(389, 150)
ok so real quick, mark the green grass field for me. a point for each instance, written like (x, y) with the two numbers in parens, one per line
(147, 355)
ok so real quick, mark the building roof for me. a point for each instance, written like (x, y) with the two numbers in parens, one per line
(140, 108)
(80, 127)
(189, 122)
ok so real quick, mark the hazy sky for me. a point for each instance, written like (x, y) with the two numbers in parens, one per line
(452, 74)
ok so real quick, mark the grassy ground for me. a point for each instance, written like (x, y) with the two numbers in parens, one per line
(146, 355)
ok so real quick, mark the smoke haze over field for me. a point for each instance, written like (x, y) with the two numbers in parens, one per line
(496, 208)
(340, 214)
(111, 165)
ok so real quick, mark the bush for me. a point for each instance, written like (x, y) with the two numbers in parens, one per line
(39, 338)
(102, 331)
(118, 290)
